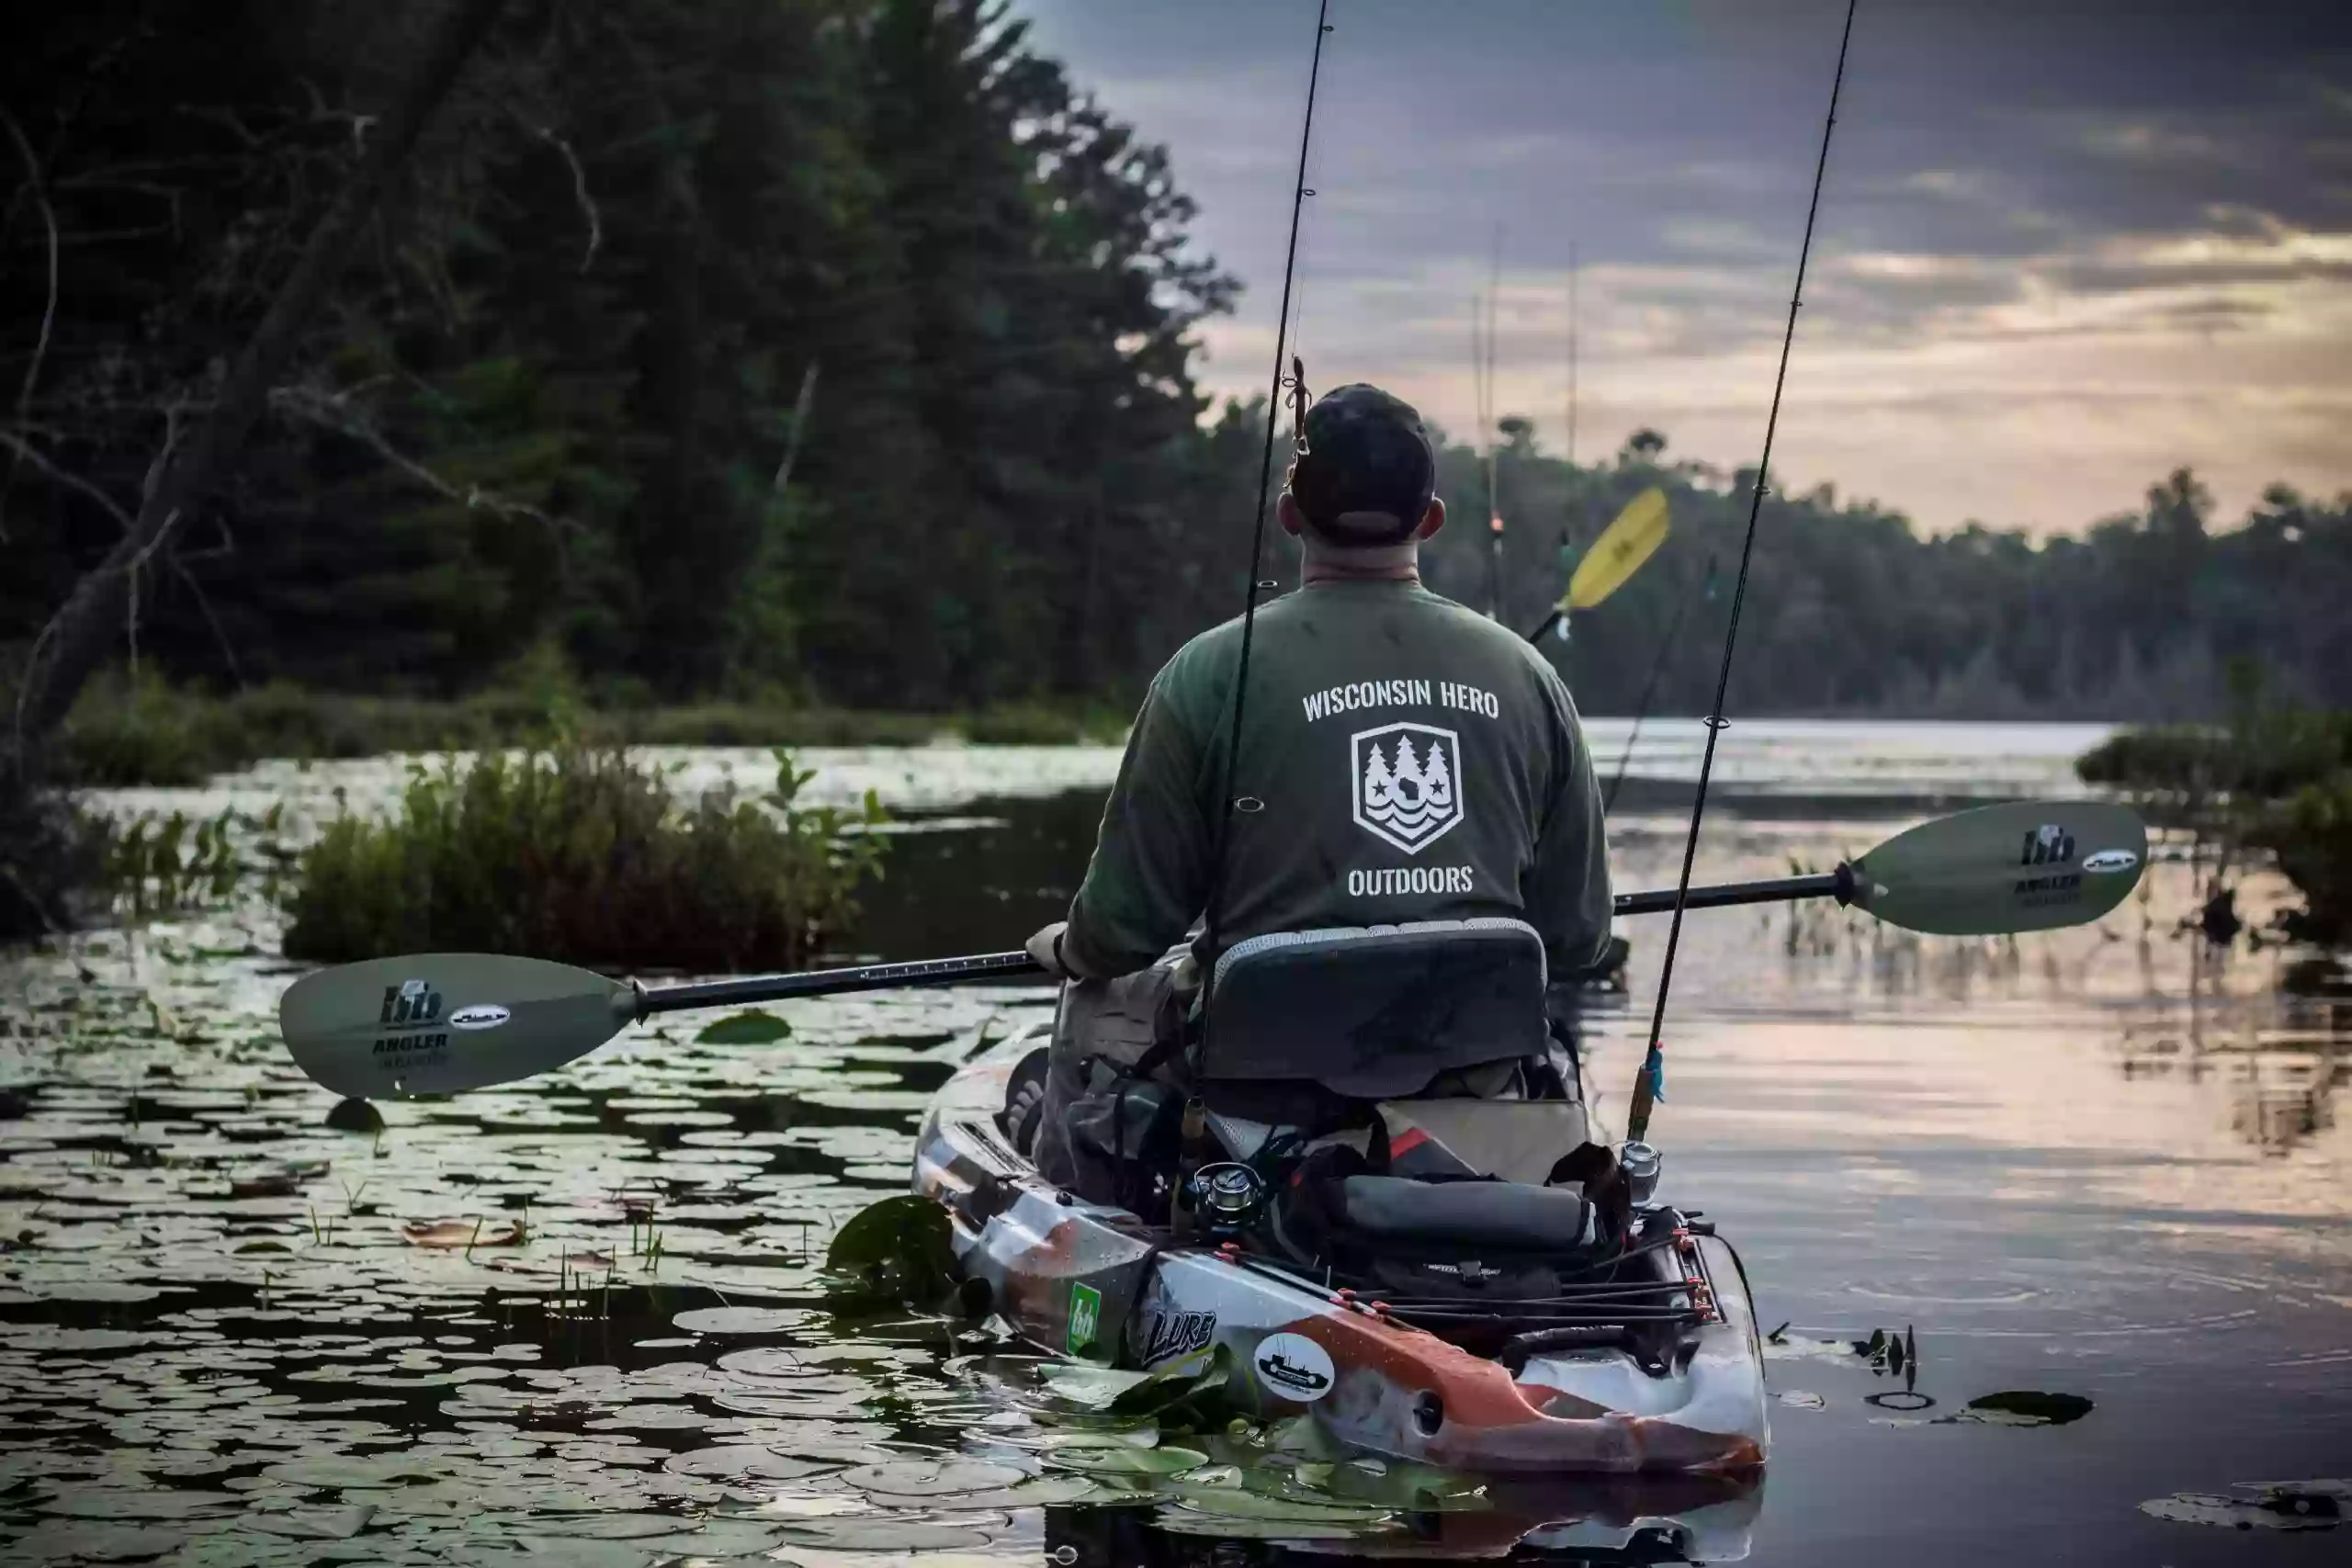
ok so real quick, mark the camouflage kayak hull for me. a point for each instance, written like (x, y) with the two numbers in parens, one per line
(1094, 1281)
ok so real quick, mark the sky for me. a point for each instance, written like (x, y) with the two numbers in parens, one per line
(2065, 246)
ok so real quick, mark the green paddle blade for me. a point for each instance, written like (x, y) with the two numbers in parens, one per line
(2026, 866)
(444, 1022)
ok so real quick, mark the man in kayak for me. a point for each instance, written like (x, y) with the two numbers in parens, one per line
(1401, 758)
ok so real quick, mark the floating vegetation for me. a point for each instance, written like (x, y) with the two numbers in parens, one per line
(220, 1346)
(465, 1234)
(2023, 1408)
(897, 1247)
(355, 1116)
(751, 1027)
(2272, 1505)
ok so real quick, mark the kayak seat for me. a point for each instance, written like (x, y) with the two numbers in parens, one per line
(1507, 1216)
(1374, 1012)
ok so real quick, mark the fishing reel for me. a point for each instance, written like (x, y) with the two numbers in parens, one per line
(1226, 1197)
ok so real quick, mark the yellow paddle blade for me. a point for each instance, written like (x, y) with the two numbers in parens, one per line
(1620, 551)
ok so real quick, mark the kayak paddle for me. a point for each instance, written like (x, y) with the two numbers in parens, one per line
(1628, 542)
(442, 1023)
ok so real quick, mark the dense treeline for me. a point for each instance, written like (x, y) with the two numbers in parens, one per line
(1850, 610)
(654, 254)
(552, 403)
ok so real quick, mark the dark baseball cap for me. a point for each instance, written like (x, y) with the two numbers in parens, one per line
(1366, 452)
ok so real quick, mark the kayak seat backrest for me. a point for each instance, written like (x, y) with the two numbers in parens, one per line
(1375, 1012)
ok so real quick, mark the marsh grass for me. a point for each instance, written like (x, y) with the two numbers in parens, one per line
(580, 853)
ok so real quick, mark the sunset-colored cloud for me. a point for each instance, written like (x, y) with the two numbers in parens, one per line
(2056, 258)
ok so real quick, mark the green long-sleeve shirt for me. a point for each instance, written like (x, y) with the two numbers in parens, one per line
(1402, 758)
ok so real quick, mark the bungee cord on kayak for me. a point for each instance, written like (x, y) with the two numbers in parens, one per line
(1651, 1077)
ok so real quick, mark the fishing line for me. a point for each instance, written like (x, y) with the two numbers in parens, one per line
(1296, 380)
(1649, 686)
(1637, 1120)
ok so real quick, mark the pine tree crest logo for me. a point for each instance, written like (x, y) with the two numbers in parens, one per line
(1407, 781)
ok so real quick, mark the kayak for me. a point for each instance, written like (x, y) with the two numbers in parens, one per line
(1478, 1324)
(1566, 1391)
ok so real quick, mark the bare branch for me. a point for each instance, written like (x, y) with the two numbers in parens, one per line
(203, 603)
(360, 123)
(156, 472)
(579, 192)
(26, 452)
(801, 408)
(74, 643)
(49, 313)
(336, 413)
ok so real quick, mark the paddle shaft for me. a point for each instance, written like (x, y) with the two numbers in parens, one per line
(838, 982)
(1837, 884)
(1017, 966)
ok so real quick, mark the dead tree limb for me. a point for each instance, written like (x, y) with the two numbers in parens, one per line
(76, 641)
(33, 177)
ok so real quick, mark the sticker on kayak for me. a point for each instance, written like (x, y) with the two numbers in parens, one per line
(487, 1015)
(1175, 1333)
(1085, 1315)
(2108, 861)
(1293, 1367)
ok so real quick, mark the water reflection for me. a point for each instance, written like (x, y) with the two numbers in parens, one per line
(2277, 1058)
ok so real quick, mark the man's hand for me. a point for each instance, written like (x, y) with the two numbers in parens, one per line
(1045, 947)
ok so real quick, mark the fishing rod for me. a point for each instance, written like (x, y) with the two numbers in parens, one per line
(1649, 686)
(447, 1022)
(1647, 1082)
(1297, 381)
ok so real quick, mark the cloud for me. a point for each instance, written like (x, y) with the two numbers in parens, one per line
(2048, 269)
(2150, 141)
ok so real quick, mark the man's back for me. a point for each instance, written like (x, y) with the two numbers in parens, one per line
(1401, 758)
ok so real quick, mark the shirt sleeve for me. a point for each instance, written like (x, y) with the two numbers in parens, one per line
(1151, 871)
(1567, 896)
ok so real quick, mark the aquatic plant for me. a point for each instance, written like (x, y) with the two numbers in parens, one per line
(162, 862)
(580, 852)
(2276, 780)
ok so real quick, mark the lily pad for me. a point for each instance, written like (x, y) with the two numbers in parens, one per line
(1238, 1511)
(943, 1477)
(898, 1246)
(1089, 1459)
(1088, 1386)
(751, 1027)
(2269, 1513)
(354, 1116)
(745, 1460)
(741, 1320)
(2024, 1408)
(464, 1234)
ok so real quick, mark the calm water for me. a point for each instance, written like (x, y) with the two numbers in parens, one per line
(2103, 1165)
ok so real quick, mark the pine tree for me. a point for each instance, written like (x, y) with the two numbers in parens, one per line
(1409, 766)
(1439, 776)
